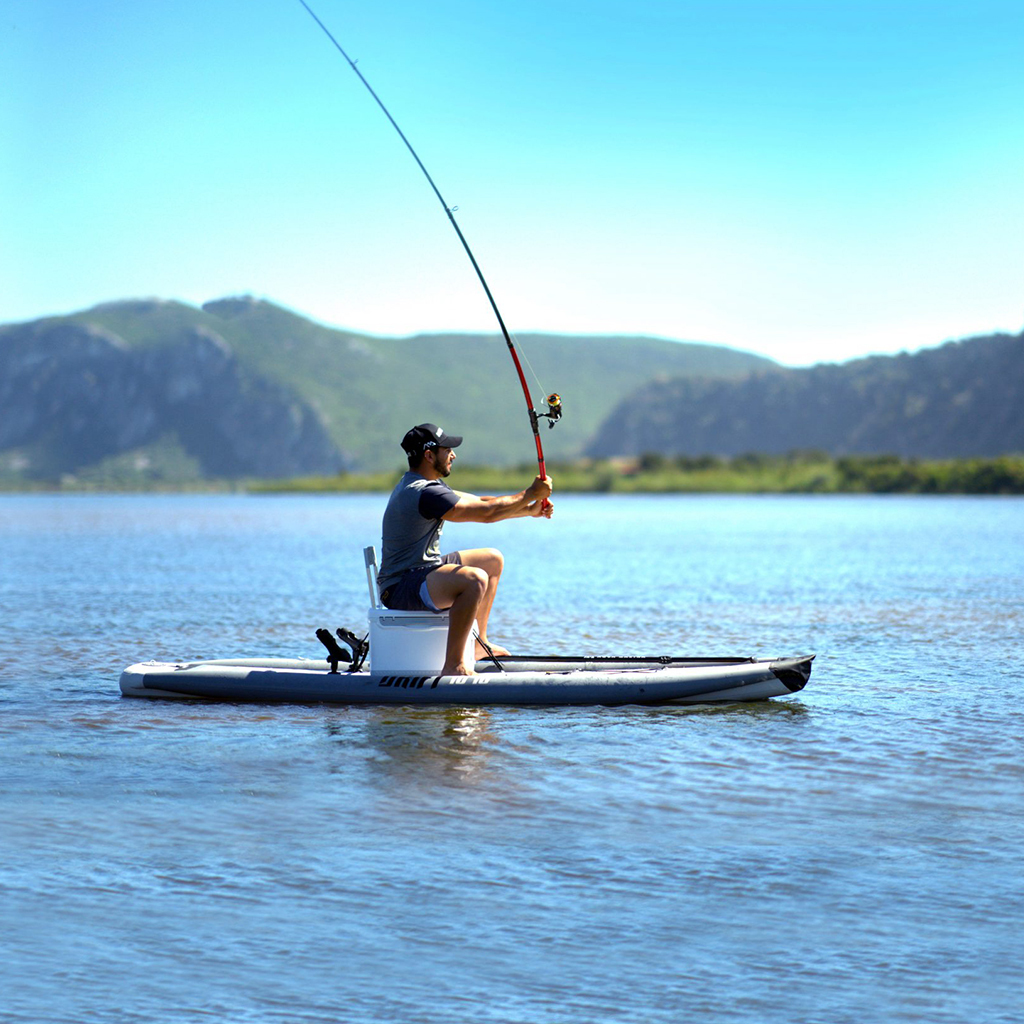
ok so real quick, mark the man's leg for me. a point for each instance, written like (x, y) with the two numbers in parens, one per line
(461, 590)
(492, 562)
(446, 583)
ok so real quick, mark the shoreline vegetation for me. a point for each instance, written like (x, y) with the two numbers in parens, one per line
(652, 473)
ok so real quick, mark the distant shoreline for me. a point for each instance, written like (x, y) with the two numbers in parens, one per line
(796, 473)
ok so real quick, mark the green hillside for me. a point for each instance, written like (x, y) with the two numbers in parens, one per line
(368, 390)
(964, 399)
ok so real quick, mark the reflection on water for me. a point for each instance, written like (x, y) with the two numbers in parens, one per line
(426, 742)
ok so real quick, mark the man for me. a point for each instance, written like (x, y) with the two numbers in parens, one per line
(413, 575)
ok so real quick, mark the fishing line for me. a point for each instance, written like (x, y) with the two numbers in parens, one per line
(526, 358)
(554, 403)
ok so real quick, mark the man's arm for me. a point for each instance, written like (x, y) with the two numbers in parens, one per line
(493, 509)
(479, 497)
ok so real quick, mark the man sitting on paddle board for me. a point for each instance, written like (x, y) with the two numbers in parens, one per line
(413, 574)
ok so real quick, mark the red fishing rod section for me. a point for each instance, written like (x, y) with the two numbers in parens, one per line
(554, 402)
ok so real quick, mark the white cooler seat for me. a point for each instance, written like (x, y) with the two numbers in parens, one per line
(410, 643)
(407, 643)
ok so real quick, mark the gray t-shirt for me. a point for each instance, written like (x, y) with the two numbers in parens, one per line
(412, 525)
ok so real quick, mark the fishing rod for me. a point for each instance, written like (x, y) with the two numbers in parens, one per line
(553, 401)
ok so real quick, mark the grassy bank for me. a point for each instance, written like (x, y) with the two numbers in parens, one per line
(796, 473)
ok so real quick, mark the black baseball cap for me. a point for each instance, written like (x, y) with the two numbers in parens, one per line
(428, 435)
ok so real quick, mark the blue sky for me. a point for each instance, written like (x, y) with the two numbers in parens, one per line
(812, 181)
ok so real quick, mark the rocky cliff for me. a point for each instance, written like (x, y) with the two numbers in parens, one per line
(73, 395)
(963, 399)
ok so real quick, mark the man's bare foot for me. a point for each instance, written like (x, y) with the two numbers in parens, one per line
(458, 670)
(495, 649)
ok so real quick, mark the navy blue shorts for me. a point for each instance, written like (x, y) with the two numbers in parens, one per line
(409, 592)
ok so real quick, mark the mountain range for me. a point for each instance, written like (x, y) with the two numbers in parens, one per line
(153, 390)
(962, 399)
(241, 387)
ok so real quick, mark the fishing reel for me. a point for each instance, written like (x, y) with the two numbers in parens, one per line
(554, 413)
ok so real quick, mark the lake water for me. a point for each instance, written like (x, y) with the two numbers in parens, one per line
(849, 854)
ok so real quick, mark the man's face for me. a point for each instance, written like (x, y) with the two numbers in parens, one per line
(443, 459)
